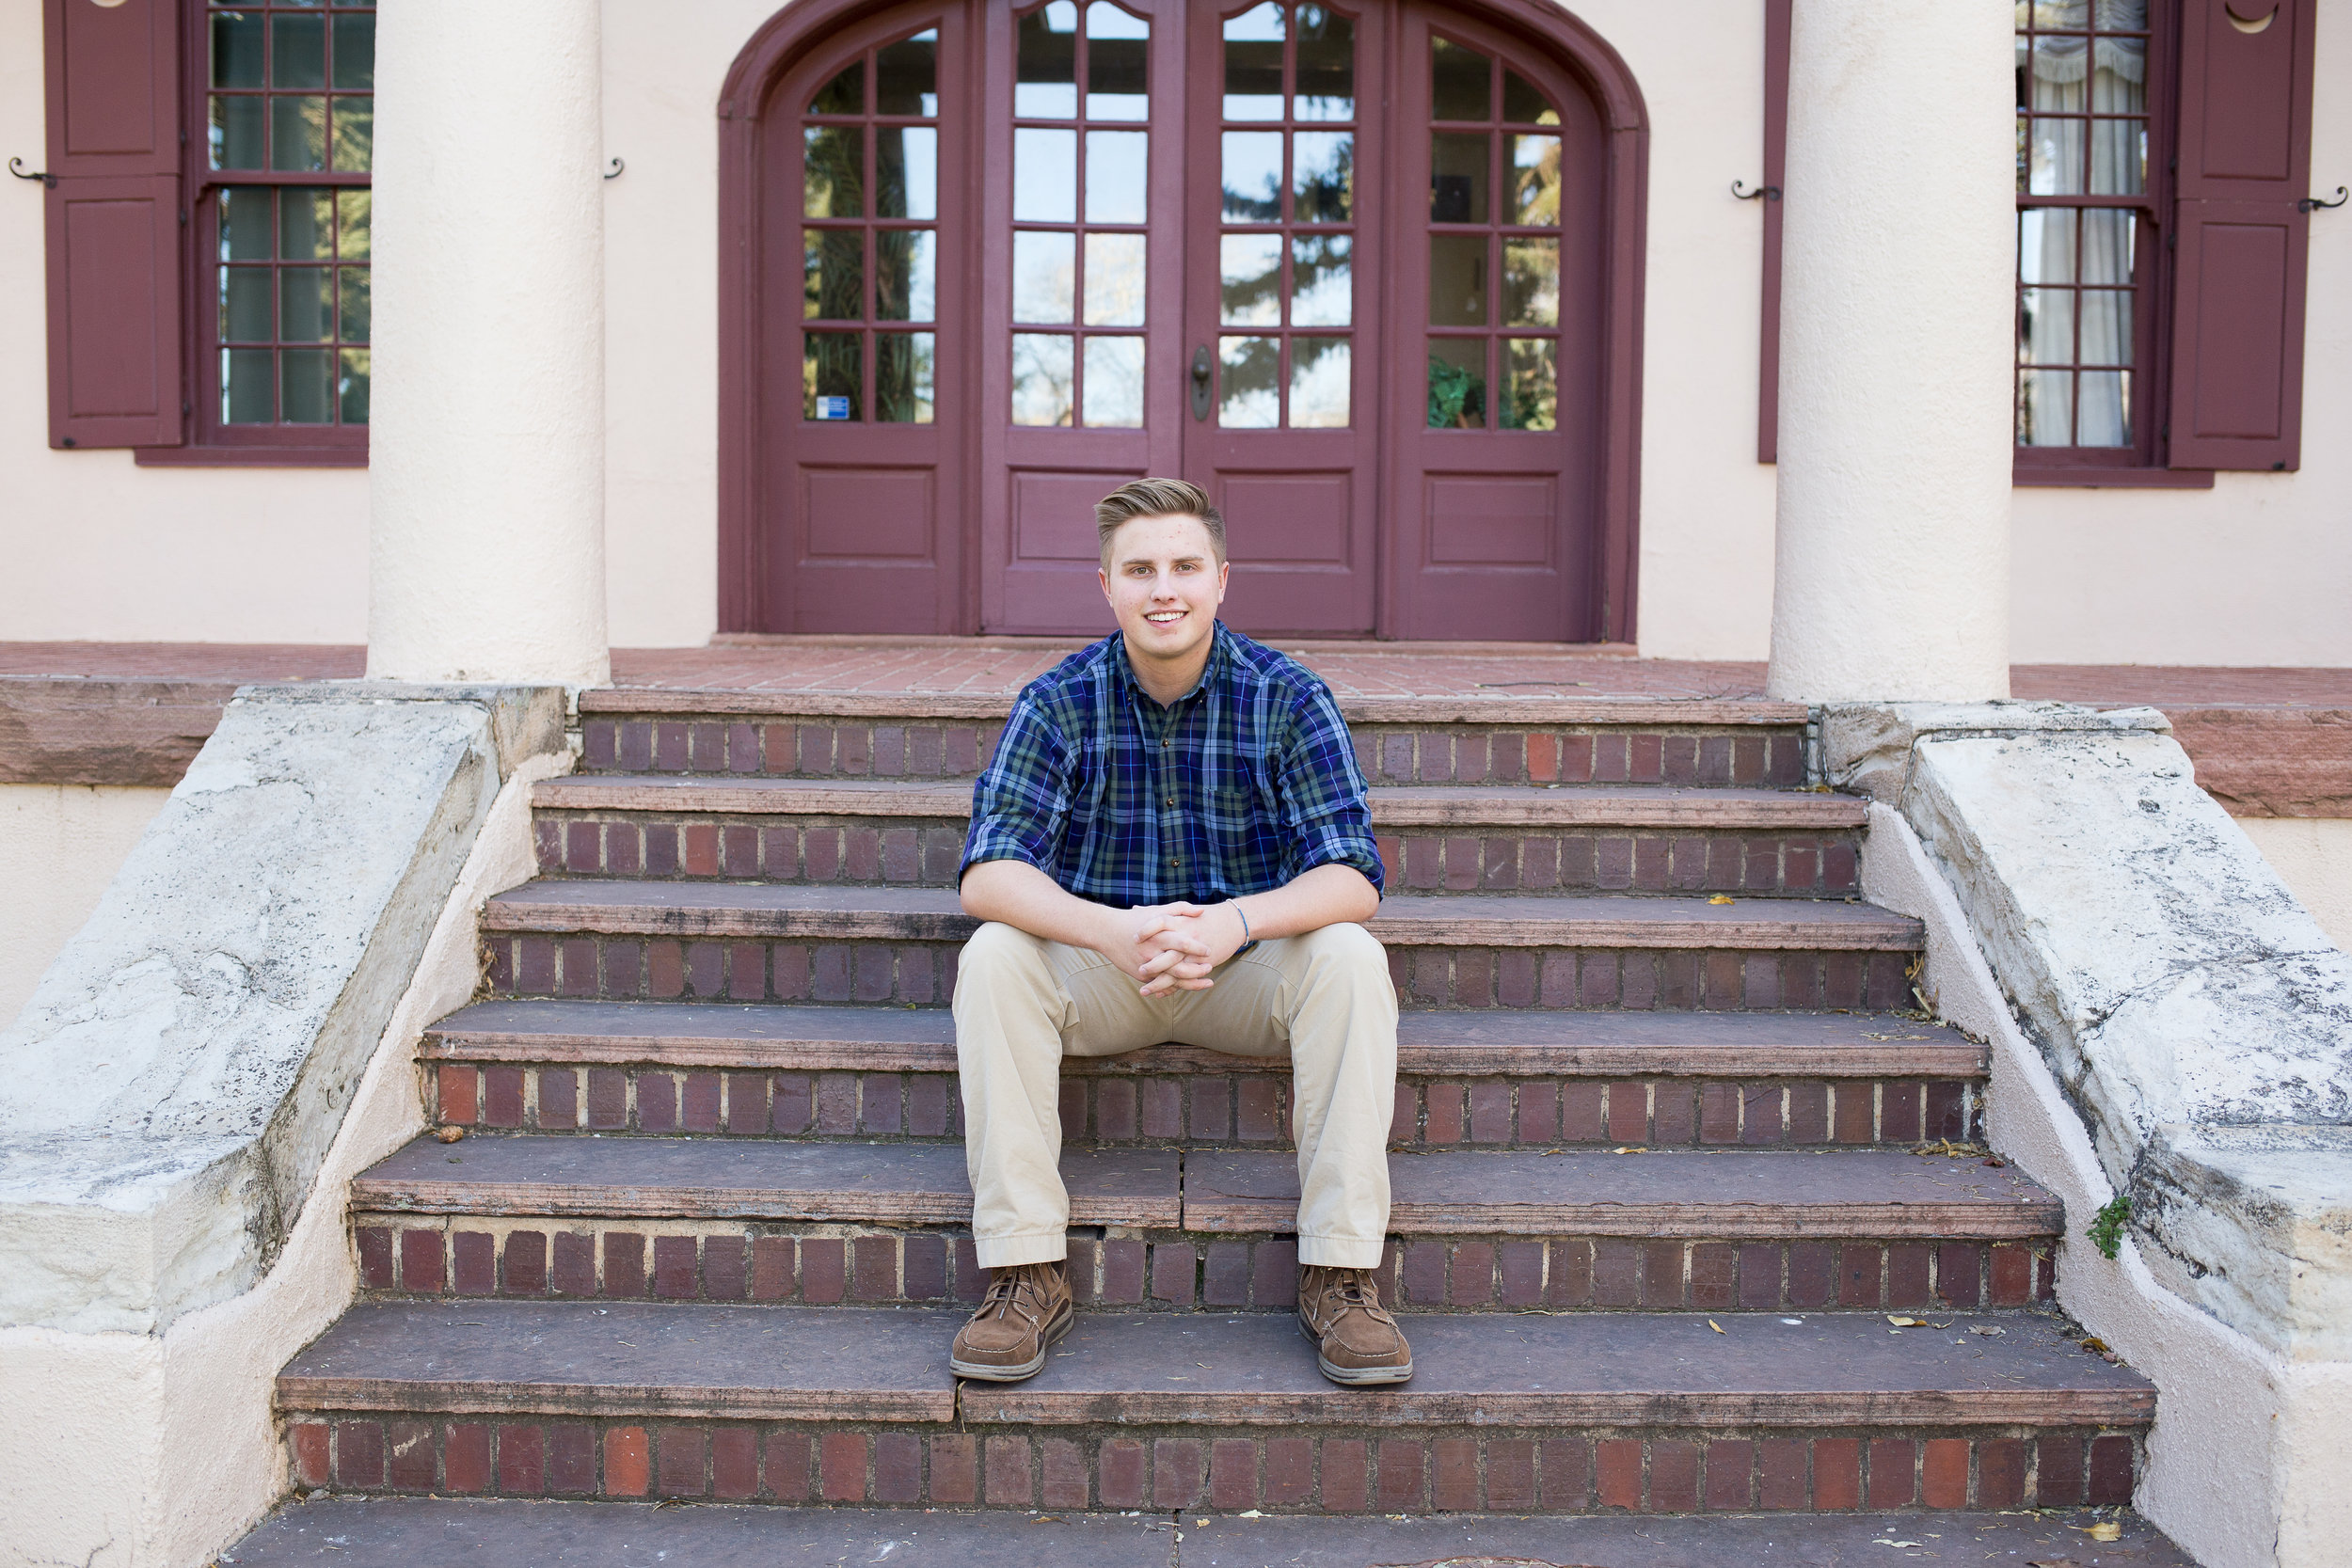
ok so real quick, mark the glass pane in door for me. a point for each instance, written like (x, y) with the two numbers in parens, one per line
(1079, 208)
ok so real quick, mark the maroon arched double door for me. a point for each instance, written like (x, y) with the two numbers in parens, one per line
(1368, 271)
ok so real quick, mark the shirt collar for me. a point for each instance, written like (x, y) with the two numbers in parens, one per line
(1213, 672)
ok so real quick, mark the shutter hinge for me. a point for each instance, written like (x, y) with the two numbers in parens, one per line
(183, 217)
(2172, 239)
(186, 407)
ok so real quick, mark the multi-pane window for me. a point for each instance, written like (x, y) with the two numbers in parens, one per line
(1286, 242)
(869, 240)
(2084, 214)
(1081, 166)
(1494, 245)
(290, 131)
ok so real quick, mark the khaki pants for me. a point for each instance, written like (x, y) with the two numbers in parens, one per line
(1023, 1003)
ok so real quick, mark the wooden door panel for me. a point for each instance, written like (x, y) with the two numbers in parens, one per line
(863, 501)
(1300, 498)
(1041, 481)
(1492, 525)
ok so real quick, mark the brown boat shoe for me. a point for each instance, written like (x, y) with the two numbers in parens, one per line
(1357, 1340)
(1027, 1308)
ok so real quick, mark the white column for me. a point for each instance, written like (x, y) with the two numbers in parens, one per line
(486, 451)
(1891, 572)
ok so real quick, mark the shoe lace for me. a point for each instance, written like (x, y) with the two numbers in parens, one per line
(1354, 1289)
(1015, 1290)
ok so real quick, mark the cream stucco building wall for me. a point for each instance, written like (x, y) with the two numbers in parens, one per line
(2250, 572)
(60, 844)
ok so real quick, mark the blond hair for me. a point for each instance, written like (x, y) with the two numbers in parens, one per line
(1156, 498)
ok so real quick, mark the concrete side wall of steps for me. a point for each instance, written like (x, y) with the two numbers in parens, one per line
(375, 821)
(2222, 1122)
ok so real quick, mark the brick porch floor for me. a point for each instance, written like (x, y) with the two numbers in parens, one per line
(2267, 742)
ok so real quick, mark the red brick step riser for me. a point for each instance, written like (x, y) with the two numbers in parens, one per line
(849, 747)
(628, 968)
(1221, 1469)
(899, 851)
(535, 1259)
(1102, 1107)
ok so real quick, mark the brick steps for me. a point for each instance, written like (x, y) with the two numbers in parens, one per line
(1408, 806)
(621, 939)
(855, 1405)
(401, 1532)
(772, 1221)
(825, 1264)
(1432, 838)
(1442, 740)
(1525, 1079)
(921, 914)
(1729, 1196)
(1517, 1044)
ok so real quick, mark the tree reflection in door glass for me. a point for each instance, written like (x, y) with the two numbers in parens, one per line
(1249, 385)
(1322, 176)
(1249, 283)
(1319, 369)
(1042, 374)
(1253, 176)
(1114, 382)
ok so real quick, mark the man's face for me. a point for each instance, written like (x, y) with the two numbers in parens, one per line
(1164, 582)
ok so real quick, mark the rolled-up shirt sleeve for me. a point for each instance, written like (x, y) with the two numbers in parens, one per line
(1326, 817)
(1021, 801)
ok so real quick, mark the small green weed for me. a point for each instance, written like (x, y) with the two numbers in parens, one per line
(2105, 1230)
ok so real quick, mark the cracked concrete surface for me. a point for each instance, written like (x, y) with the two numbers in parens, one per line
(185, 1063)
(2194, 1013)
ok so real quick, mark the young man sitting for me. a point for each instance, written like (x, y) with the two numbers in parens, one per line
(1172, 842)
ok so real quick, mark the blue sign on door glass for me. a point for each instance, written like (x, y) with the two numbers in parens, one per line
(832, 408)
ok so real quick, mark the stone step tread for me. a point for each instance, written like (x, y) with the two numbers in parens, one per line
(1516, 712)
(1718, 1195)
(1715, 1194)
(768, 909)
(1406, 806)
(764, 1179)
(1504, 1042)
(824, 1363)
(402, 1532)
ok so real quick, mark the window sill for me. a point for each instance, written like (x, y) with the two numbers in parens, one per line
(2113, 479)
(250, 457)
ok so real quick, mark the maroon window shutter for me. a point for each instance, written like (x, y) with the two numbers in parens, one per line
(2245, 160)
(1776, 23)
(112, 83)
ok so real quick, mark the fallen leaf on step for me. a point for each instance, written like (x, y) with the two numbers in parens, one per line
(1722, 898)
(1986, 1329)
(2095, 1345)
(2107, 1529)
(1713, 1324)
(450, 1134)
(1632, 1149)
(2054, 1562)
(1905, 1322)
(1046, 1519)
(1882, 1541)
(1249, 1513)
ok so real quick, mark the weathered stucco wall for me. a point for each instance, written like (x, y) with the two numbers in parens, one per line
(2313, 855)
(182, 1065)
(2244, 1466)
(2246, 573)
(158, 1450)
(59, 847)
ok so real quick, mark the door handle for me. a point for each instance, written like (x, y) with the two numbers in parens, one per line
(1202, 367)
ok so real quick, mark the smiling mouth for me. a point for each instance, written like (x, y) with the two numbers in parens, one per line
(1164, 617)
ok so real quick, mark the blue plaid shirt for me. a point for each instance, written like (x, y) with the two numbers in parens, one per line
(1243, 784)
